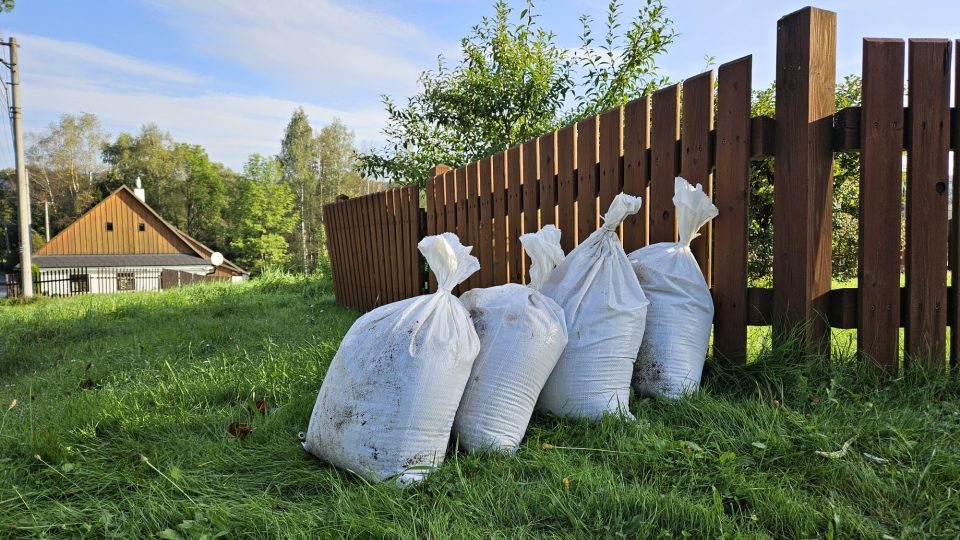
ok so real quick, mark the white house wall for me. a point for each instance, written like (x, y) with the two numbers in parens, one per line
(56, 281)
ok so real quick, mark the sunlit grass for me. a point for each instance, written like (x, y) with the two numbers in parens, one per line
(124, 405)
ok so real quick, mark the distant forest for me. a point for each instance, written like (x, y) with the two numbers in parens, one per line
(267, 215)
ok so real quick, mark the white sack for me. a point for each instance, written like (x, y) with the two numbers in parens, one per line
(606, 311)
(388, 401)
(522, 333)
(681, 309)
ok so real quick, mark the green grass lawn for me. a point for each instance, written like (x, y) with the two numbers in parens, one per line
(124, 403)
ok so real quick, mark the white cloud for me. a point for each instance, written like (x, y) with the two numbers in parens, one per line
(333, 49)
(126, 93)
(68, 59)
(332, 57)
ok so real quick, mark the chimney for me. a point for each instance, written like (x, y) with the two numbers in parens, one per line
(138, 191)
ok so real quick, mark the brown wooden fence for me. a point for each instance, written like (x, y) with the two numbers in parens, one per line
(568, 177)
(171, 279)
(372, 243)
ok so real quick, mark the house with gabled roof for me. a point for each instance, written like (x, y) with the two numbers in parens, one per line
(123, 244)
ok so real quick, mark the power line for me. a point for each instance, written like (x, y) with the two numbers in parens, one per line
(6, 144)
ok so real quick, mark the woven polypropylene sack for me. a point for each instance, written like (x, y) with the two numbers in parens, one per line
(522, 333)
(680, 315)
(606, 312)
(387, 403)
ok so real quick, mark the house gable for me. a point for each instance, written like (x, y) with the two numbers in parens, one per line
(112, 227)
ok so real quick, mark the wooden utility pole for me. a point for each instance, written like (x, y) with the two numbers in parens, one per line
(23, 186)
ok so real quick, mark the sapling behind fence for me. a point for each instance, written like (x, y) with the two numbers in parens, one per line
(702, 129)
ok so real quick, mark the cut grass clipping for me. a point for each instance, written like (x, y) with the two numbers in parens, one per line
(176, 415)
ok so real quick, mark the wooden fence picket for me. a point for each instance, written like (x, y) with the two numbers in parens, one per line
(663, 163)
(611, 152)
(697, 120)
(929, 127)
(636, 170)
(732, 200)
(881, 191)
(566, 160)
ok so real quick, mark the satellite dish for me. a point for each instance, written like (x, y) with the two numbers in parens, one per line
(216, 258)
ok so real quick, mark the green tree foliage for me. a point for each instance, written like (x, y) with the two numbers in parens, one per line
(336, 163)
(298, 158)
(514, 83)
(150, 155)
(317, 166)
(621, 66)
(846, 198)
(203, 195)
(6, 5)
(180, 181)
(261, 215)
(251, 217)
(846, 192)
(65, 167)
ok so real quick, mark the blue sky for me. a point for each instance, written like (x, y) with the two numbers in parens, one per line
(226, 74)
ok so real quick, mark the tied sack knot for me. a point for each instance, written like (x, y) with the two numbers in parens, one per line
(623, 205)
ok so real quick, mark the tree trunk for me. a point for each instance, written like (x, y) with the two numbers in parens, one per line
(303, 228)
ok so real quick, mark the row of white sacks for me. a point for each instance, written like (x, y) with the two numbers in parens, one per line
(589, 325)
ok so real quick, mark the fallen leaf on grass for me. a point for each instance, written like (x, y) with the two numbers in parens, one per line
(239, 430)
(89, 384)
(259, 406)
(759, 445)
(12, 404)
(815, 399)
(838, 454)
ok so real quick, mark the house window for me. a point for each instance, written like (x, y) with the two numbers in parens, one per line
(141, 227)
(126, 281)
(110, 226)
(79, 283)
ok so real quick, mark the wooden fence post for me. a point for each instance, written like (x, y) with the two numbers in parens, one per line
(803, 186)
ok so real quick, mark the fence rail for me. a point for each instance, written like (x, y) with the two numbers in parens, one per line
(568, 177)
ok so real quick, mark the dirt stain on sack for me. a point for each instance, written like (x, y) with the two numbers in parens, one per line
(648, 371)
(419, 458)
(479, 323)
